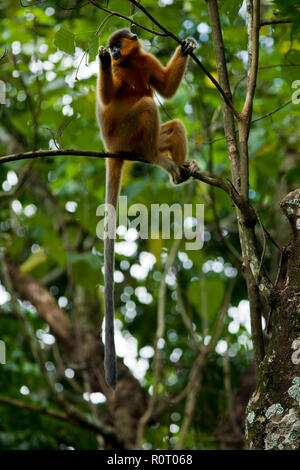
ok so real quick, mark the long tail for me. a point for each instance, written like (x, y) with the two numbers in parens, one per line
(113, 181)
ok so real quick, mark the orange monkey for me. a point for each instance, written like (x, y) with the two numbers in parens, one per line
(129, 121)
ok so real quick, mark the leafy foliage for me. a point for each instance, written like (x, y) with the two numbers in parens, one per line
(48, 226)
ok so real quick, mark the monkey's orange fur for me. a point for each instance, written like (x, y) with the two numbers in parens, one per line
(129, 122)
(127, 113)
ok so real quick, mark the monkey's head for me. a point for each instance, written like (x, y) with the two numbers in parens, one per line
(122, 44)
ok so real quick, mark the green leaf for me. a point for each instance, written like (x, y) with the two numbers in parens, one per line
(214, 291)
(86, 270)
(64, 40)
(93, 44)
(231, 9)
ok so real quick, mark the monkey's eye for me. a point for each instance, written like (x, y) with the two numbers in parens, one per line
(117, 45)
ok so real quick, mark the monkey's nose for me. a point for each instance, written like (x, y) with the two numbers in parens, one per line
(116, 54)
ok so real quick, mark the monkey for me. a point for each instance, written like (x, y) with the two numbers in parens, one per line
(129, 122)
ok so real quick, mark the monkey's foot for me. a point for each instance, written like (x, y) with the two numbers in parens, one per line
(192, 166)
(188, 45)
(175, 175)
(182, 174)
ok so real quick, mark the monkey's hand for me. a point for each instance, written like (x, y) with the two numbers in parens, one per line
(104, 57)
(188, 45)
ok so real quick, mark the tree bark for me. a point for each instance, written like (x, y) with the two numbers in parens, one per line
(273, 412)
(128, 403)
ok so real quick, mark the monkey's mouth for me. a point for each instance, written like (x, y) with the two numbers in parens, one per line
(116, 55)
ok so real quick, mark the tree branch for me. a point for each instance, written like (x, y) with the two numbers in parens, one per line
(43, 301)
(195, 379)
(168, 33)
(229, 124)
(72, 417)
(159, 334)
(239, 200)
(274, 21)
(127, 18)
(2, 56)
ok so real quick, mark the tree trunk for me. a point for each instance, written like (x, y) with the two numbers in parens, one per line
(273, 412)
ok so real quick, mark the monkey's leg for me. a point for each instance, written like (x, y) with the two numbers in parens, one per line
(170, 166)
(138, 131)
(173, 139)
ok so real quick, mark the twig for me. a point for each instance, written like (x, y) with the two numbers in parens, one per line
(159, 334)
(22, 178)
(196, 374)
(252, 122)
(79, 419)
(221, 63)
(31, 105)
(272, 112)
(124, 17)
(274, 21)
(184, 314)
(168, 33)
(239, 200)
(3, 55)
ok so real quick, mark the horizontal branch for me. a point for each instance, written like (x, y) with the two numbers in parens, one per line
(73, 417)
(71, 152)
(274, 21)
(239, 201)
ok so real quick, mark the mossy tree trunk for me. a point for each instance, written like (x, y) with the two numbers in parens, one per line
(273, 412)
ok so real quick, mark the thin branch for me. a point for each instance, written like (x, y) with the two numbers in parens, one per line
(239, 200)
(253, 121)
(36, 409)
(274, 21)
(10, 278)
(229, 123)
(80, 419)
(2, 57)
(272, 112)
(81, 153)
(22, 178)
(244, 124)
(31, 105)
(253, 21)
(127, 18)
(195, 380)
(184, 314)
(43, 301)
(168, 33)
(159, 334)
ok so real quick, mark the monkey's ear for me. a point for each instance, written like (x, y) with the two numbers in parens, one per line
(133, 38)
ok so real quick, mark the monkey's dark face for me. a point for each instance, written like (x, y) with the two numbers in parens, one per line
(115, 50)
(122, 44)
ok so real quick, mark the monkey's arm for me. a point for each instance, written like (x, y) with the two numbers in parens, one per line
(166, 80)
(106, 87)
